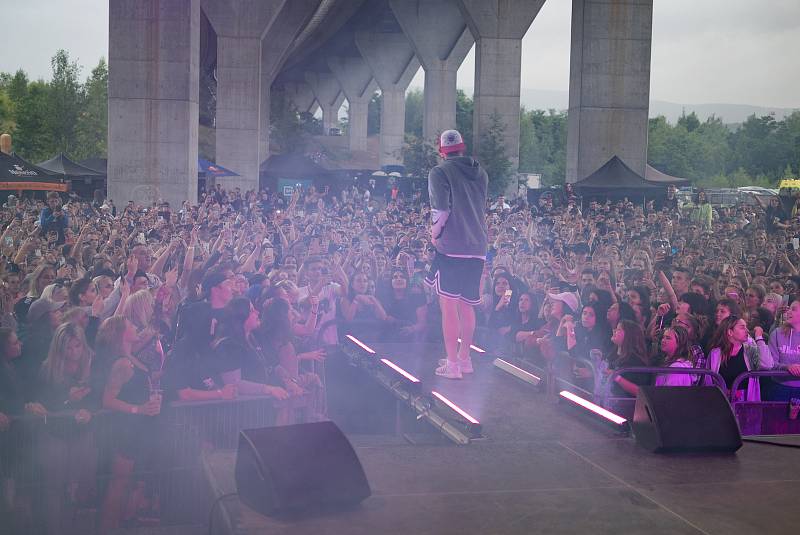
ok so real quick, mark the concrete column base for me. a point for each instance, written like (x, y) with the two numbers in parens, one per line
(153, 101)
(357, 124)
(440, 103)
(393, 112)
(497, 88)
(238, 109)
(609, 90)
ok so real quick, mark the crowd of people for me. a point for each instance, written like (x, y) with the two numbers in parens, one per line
(124, 308)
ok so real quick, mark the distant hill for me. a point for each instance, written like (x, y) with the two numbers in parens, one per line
(544, 99)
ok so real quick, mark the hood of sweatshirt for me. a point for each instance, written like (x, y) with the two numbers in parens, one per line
(470, 169)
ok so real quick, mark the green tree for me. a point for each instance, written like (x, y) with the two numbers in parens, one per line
(64, 102)
(286, 129)
(33, 139)
(465, 107)
(689, 122)
(493, 157)
(419, 156)
(92, 128)
(414, 111)
(543, 144)
(18, 86)
(7, 122)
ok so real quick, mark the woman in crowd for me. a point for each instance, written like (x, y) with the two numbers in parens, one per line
(68, 453)
(16, 396)
(132, 396)
(732, 354)
(406, 309)
(629, 350)
(363, 312)
(676, 354)
(44, 316)
(139, 310)
(276, 338)
(42, 276)
(591, 333)
(526, 323)
(503, 308)
(784, 345)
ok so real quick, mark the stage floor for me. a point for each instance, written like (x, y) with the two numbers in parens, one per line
(539, 470)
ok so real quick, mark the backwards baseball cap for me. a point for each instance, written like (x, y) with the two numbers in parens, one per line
(42, 306)
(568, 298)
(451, 141)
(213, 279)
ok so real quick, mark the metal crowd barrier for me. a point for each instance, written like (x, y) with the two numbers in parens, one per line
(763, 417)
(33, 447)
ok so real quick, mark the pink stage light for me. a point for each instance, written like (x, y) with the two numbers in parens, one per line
(400, 370)
(473, 347)
(360, 344)
(597, 409)
(455, 407)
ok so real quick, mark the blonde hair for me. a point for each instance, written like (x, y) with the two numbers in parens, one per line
(54, 367)
(34, 280)
(139, 308)
(108, 342)
(100, 278)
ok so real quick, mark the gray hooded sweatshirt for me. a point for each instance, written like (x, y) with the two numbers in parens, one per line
(457, 189)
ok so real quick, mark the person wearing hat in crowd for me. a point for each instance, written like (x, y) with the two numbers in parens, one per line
(458, 189)
(198, 320)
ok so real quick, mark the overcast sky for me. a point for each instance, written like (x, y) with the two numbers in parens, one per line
(704, 51)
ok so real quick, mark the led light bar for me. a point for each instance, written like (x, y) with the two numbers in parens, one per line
(596, 409)
(464, 414)
(361, 344)
(473, 347)
(400, 370)
(517, 372)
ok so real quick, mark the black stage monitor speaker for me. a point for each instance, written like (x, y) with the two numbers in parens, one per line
(685, 419)
(298, 468)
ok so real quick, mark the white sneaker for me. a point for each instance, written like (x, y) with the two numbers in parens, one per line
(449, 371)
(464, 365)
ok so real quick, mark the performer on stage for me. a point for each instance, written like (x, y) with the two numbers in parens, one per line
(457, 188)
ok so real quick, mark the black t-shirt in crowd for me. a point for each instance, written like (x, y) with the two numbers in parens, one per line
(733, 368)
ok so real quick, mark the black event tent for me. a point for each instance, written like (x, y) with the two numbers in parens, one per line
(96, 164)
(63, 166)
(614, 179)
(19, 174)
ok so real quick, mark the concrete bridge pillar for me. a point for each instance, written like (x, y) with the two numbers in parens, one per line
(240, 25)
(609, 88)
(393, 64)
(355, 79)
(153, 53)
(498, 27)
(441, 41)
(329, 96)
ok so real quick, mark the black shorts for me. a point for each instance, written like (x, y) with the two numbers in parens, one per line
(457, 278)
